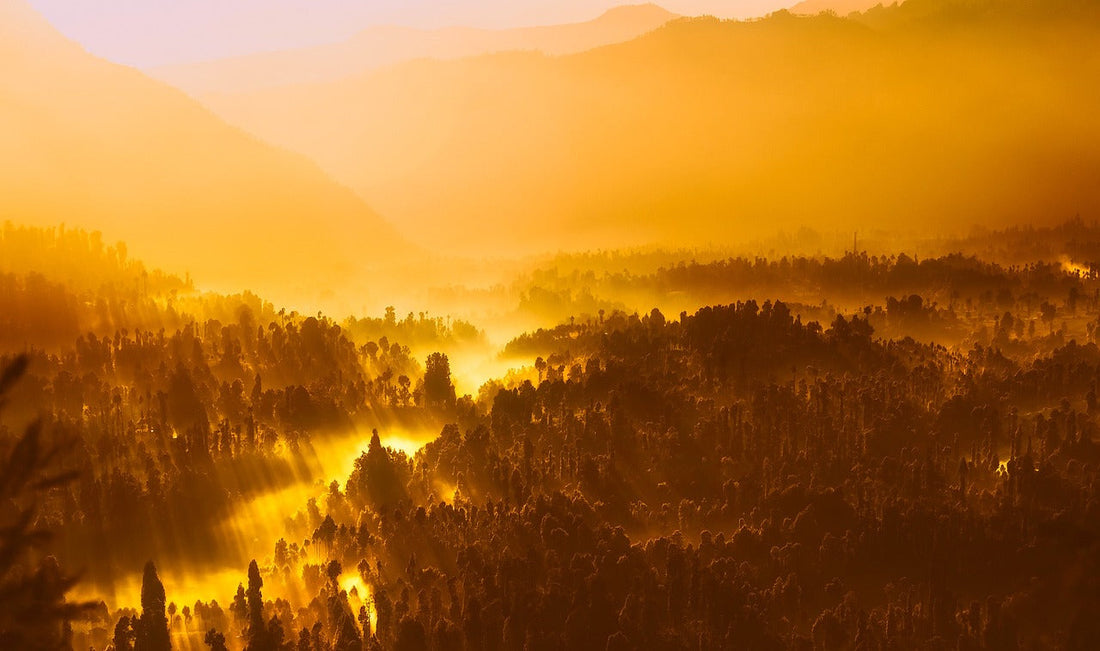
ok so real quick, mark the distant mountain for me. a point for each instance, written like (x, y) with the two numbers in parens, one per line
(97, 145)
(839, 7)
(382, 46)
(932, 115)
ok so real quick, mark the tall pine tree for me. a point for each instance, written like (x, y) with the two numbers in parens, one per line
(151, 632)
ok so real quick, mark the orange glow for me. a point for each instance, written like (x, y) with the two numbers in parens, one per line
(255, 525)
(1071, 267)
(842, 124)
(646, 332)
(184, 587)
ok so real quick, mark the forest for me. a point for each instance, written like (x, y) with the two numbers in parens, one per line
(871, 451)
(516, 325)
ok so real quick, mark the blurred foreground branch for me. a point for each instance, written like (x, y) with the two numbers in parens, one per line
(34, 613)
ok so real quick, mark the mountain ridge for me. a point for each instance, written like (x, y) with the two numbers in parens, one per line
(383, 46)
(705, 130)
(839, 7)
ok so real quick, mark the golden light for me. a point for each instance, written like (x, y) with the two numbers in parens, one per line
(1071, 267)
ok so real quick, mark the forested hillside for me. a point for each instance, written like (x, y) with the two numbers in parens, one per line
(753, 474)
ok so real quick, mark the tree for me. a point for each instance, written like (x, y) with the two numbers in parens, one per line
(185, 406)
(215, 640)
(410, 636)
(304, 643)
(239, 607)
(151, 632)
(257, 633)
(345, 633)
(326, 533)
(403, 395)
(1047, 312)
(377, 479)
(123, 639)
(282, 557)
(439, 392)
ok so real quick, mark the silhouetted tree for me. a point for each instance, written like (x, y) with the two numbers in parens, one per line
(439, 392)
(257, 636)
(410, 636)
(123, 639)
(215, 640)
(151, 630)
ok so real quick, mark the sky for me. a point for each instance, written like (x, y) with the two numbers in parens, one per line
(146, 33)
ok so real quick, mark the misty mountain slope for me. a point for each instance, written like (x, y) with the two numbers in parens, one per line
(96, 145)
(707, 131)
(381, 46)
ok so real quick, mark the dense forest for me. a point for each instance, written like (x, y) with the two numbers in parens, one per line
(870, 451)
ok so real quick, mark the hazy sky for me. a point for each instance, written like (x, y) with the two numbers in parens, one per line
(152, 32)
